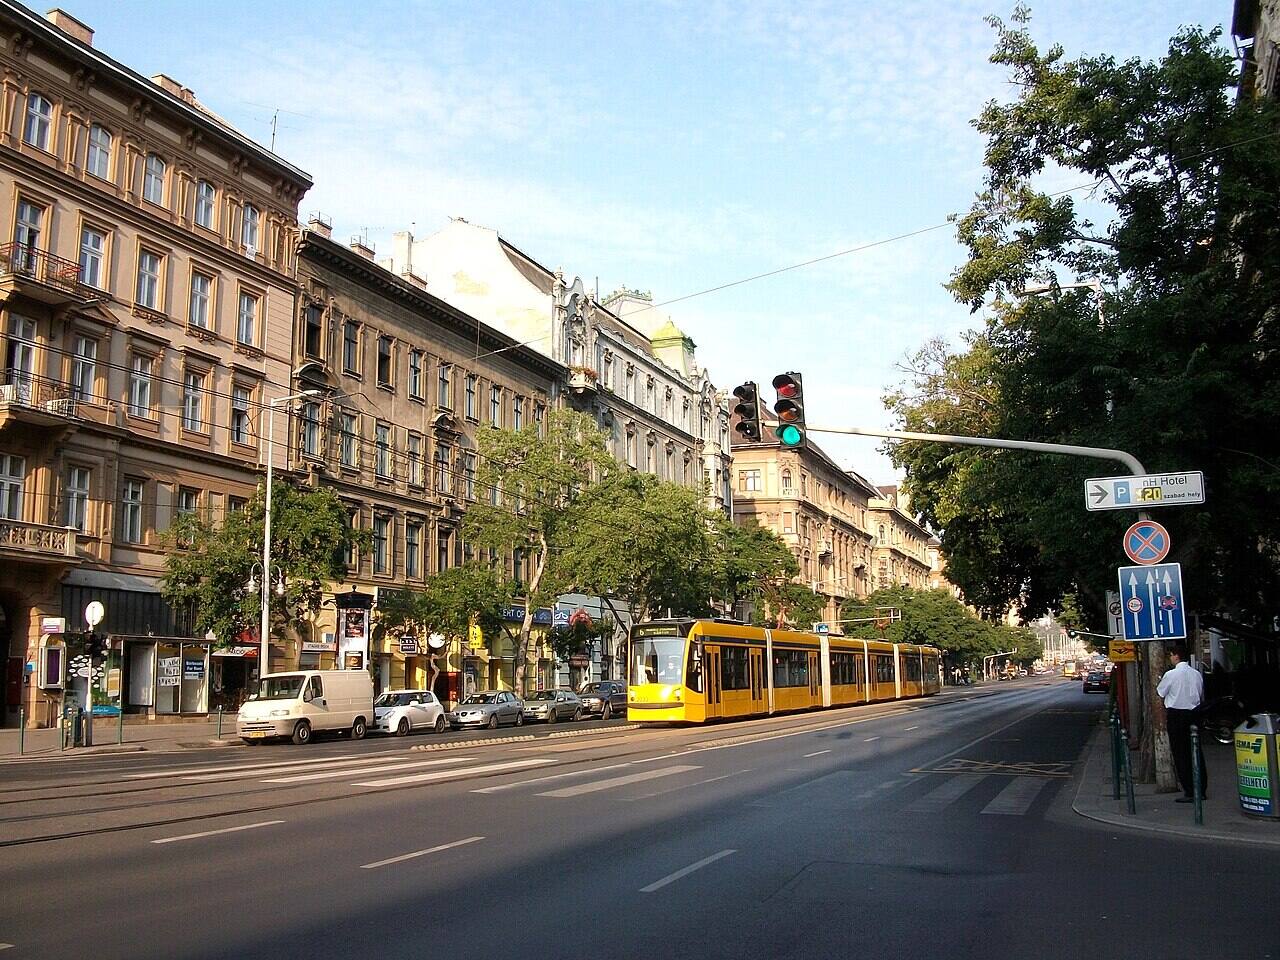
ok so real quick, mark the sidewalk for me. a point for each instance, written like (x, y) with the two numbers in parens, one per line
(1158, 813)
(153, 737)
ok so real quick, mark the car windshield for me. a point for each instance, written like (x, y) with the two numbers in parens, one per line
(394, 699)
(481, 698)
(280, 688)
(542, 695)
(589, 688)
(657, 660)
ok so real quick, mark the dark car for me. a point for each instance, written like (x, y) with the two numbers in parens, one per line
(1095, 680)
(604, 699)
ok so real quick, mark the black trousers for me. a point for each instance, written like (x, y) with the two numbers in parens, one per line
(1179, 726)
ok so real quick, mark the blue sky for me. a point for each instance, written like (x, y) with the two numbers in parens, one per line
(665, 146)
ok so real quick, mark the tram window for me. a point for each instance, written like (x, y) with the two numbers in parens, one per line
(790, 668)
(884, 668)
(657, 660)
(733, 669)
(694, 682)
(846, 669)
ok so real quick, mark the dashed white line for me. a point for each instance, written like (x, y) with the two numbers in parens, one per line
(419, 853)
(210, 833)
(916, 727)
(6, 946)
(816, 753)
(869, 739)
(685, 871)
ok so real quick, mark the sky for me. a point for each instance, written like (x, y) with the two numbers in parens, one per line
(663, 146)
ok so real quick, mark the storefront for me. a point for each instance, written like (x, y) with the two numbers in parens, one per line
(164, 676)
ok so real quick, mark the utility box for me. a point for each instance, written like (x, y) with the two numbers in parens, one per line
(1257, 767)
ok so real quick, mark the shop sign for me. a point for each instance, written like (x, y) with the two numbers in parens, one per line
(409, 646)
(239, 651)
(579, 660)
(193, 668)
(49, 626)
(542, 615)
(475, 636)
(113, 682)
(168, 671)
(318, 646)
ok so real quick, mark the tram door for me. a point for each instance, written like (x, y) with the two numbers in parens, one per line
(712, 673)
(756, 665)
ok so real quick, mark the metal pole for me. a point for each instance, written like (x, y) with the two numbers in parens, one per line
(219, 721)
(62, 733)
(1128, 771)
(1195, 774)
(1115, 756)
(22, 730)
(120, 718)
(264, 628)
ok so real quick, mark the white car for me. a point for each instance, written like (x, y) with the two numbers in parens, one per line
(399, 711)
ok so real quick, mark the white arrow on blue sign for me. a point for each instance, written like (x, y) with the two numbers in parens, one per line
(1151, 597)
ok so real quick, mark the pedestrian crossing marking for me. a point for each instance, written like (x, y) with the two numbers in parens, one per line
(941, 797)
(350, 764)
(984, 767)
(596, 785)
(364, 771)
(454, 774)
(1017, 797)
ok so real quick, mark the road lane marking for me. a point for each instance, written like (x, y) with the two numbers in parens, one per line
(686, 786)
(816, 753)
(345, 765)
(597, 785)
(685, 871)
(347, 771)
(418, 853)
(225, 768)
(916, 727)
(1016, 799)
(6, 946)
(210, 833)
(453, 774)
(555, 776)
(869, 739)
(941, 797)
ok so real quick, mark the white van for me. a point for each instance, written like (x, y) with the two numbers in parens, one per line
(300, 704)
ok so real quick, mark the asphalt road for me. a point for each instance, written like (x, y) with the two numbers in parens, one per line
(930, 829)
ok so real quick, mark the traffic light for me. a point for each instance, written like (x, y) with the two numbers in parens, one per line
(789, 409)
(747, 412)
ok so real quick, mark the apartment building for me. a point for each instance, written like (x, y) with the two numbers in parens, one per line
(901, 543)
(145, 305)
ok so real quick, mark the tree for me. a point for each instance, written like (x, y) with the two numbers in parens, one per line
(209, 563)
(536, 483)
(752, 563)
(928, 617)
(448, 603)
(788, 605)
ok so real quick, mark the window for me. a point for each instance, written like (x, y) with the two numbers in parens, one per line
(786, 479)
(351, 347)
(98, 158)
(412, 549)
(236, 504)
(39, 118)
(198, 308)
(84, 372)
(78, 479)
(415, 374)
(442, 550)
(93, 245)
(131, 512)
(241, 431)
(13, 475)
(788, 522)
(804, 484)
(631, 384)
(517, 413)
(471, 396)
(247, 319)
(734, 670)
(353, 554)
(249, 229)
(384, 361)
(415, 460)
(381, 544)
(846, 669)
(311, 429)
(20, 357)
(495, 406)
(27, 233)
(205, 200)
(882, 540)
(790, 668)
(539, 415)
(444, 395)
(313, 332)
(444, 481)
(149, 268)
(631, 450)
(140, 386)
(349, 433)
(749, 480)
(193, 400)
(153, 180)
(382, 444)
(188, 501)
(469, 474)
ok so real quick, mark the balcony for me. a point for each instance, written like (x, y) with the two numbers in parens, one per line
(582, 380)
(38, 542)
(39, 275)
(37, 402)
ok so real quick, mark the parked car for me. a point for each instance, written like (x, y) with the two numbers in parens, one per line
(603, 698)
(488, 708)
(299, 704)
(553, 705)
(1095, 680)
(399, 711)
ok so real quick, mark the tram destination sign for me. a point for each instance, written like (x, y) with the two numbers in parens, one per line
(1144, 492)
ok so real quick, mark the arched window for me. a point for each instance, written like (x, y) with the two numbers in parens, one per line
(39, 119)
(882, 533)
(205, 200)
(249, 229)
(98, 161)
(786, 479)
(153, 180)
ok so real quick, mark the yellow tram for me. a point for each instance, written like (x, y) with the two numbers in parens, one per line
(692, 671)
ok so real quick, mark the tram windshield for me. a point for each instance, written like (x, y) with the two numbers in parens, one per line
(657, 660)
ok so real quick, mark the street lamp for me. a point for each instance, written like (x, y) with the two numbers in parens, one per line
(264, 631)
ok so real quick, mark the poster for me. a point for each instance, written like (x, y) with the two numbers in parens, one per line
(1252, 773)
(193, 668)
(168, 671)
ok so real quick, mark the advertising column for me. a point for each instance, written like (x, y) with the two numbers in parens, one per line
(353, 629)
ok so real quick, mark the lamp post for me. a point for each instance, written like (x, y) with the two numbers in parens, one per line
(264, 632)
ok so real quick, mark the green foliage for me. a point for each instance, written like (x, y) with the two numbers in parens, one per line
(1179, 369)
(789, 604)
(752, 563)
(208, 564)
(580, 636)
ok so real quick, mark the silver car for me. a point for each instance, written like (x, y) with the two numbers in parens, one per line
(488, 708)
(553, 705)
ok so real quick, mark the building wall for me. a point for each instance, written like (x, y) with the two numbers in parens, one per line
(1256, 24)
(78, 436)
(901, 553)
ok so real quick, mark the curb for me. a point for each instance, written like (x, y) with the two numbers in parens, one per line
(523, 738)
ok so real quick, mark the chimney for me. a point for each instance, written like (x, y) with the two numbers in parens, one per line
(361, 246)
(70, 26)
(410, 277)
(402, 251)
(318, 224)
(167, 84)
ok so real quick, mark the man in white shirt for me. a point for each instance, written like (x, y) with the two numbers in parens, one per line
(1183, 691)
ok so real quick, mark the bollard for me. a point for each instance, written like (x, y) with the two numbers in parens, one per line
(219, 721)
(120, 723)
(1195, 775)
(62, 733)
(22, 730)
(1128, 771)
(1115, 756)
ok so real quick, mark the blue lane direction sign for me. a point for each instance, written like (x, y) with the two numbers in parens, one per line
(1144, 492)
(1146, 542)
(1152, 600)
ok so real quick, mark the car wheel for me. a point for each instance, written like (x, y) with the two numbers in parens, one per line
(358, 729)
(440, 724)
(519, 718)
(552, 715)
(606, 711)
(493, 721)
(302, 733)
(402, 728)
(577, 715)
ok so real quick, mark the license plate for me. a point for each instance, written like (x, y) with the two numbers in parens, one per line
(257, 734)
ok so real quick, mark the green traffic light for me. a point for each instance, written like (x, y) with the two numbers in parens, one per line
(790, 435)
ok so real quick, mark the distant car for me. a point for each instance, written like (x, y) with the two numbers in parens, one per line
(1095, 680)
(488, 708)
(604, 698)
(399, 711)
(553, 705)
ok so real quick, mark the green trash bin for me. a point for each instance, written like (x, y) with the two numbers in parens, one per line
(1256, 765)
